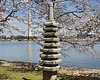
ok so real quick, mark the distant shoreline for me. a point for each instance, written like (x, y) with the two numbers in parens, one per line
(64, 40)
(39, 38)
(63, 70)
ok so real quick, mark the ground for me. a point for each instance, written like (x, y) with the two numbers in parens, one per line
(16, 70)
(9, 73)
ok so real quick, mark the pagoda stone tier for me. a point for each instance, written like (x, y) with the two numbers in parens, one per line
(49, 58)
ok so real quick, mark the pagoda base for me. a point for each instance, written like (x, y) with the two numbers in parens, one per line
(50, 75)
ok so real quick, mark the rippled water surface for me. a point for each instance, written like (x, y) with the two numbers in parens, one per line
(29, 52)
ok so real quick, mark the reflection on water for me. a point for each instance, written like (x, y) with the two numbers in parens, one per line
(29, 49)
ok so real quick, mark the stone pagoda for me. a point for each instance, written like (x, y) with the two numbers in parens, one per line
(49, 58)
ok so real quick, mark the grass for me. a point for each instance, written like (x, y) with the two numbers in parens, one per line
(8, 73)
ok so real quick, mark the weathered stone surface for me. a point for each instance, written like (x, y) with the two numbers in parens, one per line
(50, 50)
(50, 34)
(50, 55)
(50, 29)
(50, 44)
(51, 39)
(53, 23)
(50, 75)
(52, 62)
(56, 68)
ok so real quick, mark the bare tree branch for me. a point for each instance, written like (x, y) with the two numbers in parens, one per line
(8, 16)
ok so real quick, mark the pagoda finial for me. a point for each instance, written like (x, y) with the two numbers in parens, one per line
(51, 18)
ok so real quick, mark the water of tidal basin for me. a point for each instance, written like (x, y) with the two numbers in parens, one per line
(29, 52)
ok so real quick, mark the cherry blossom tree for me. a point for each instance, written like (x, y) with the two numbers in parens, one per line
(77, 19)
(5, 16)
